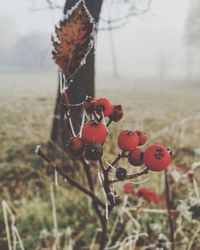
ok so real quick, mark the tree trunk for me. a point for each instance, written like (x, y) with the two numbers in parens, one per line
(83, 82)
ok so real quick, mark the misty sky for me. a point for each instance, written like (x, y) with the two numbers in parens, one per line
(141, 46)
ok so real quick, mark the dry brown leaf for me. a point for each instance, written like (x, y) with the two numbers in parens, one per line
(73, 39)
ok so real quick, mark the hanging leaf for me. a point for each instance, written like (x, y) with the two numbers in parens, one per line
(73, 39)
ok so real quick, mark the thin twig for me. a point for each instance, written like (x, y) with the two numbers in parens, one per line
(131, 176)
(119, 156)
(106, 179)
(108, 123)
(99, 119)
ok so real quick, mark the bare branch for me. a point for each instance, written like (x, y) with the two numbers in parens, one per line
(119, 156)
(119, 22)
(72, 182)
(131, 176)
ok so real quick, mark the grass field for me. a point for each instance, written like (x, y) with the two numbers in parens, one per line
(169, 112)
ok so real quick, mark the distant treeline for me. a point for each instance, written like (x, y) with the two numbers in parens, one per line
(29, 52)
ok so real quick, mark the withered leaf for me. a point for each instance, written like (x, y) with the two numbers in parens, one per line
(73, 39)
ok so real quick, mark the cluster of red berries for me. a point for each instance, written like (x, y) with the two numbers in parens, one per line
(103, 106)
(145, 193)
(155, 157)
(94, 133)
(148, 195)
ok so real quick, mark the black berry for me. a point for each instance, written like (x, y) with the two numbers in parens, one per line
(76, 145)
(93, 151)
(121, 174)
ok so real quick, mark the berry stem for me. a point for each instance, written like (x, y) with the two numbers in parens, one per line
(64, 97)
(66, 105)
(69, 122)
(106, 181)
(108, 123)
(119, 156)
(131, 176)
(105, 174)
(98, 119)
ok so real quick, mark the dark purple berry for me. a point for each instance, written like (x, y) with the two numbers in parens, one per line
(93, 151)
(116, 114)
(76, 145)
(121, 174)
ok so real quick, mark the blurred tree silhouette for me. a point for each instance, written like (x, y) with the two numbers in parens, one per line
(192, 34)
(193, 24)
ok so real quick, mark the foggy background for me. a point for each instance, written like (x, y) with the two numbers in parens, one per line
(152, 45)
(151, 67)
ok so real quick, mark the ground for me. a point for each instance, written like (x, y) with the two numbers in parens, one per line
(169, 111)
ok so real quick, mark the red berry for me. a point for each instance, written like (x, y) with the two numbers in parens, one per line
(128, 188)
(127, 140)
(116, 114)
(136, 157)
(103, 105)
(148, 195)
(142, 137)
(93, 131)
(157, 158)
(89, 104)
(76, 145)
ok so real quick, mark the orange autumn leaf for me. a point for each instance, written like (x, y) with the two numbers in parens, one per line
(73, 39)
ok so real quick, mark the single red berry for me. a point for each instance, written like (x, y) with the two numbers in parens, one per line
(76, 145)
(103, 105)
(142, 137)
(136, 157)
(128, 188)
(127, 140)
(93, 131)
(157, 158)
(89, 104)
(116, 114)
